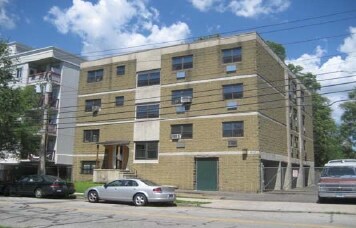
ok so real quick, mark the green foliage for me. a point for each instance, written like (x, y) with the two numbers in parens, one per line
(278, 49)
(81, 186)
(18, 118)
(308, 79)
(348, 125)
(326, 135)
(327, 144)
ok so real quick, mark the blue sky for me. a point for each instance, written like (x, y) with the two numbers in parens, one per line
(89, 28)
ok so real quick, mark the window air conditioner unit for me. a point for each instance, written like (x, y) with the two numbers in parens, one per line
(175, 136)
(230, 68)
(231, 105)
(96, 109)
(232, 143)
(186, 99)
(180, 74)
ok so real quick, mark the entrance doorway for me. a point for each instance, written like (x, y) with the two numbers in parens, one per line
(206, 174)
(116, 155)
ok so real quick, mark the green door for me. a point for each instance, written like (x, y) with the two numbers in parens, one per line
(207, 174)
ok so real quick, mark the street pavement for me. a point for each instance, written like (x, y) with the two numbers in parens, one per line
(295, 200)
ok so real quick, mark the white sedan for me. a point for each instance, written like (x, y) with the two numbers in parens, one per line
(138, 191)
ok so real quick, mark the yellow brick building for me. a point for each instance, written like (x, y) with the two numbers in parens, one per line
(208, 115)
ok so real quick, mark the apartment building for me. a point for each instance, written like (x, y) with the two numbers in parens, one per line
(206, 115)
(54, 74)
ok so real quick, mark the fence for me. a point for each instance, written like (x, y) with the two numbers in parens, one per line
(274, 178)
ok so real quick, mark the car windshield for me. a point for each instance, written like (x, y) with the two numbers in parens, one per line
(52, 179)
(149, 183)
(338, 171)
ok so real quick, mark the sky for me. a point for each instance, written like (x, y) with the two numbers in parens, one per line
(319, 35)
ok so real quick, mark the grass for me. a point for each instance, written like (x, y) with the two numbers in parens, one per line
(81, 186)
(189, 203)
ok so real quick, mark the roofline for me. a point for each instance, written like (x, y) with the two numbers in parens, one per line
(37, 50)
(170, 46)
(67, 55)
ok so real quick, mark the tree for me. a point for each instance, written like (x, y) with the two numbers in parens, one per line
(16, 127)
(278, 49)
(348, 125)
(327, 144)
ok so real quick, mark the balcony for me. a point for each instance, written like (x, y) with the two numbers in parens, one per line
(43, 76)
(50, 155)
(52, 129)
(107, 175)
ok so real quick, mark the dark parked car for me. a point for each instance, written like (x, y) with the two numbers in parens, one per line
(40, 186)
(2, 187)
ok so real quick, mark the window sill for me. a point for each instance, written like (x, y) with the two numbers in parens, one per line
(145, 161)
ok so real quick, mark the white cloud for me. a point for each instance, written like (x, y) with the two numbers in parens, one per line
(343, 66)
(204, 5)
(114, 25)
(243, 8)
(6, 21)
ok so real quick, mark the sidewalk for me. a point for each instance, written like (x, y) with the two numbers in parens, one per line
(280, 201)
(281, 207)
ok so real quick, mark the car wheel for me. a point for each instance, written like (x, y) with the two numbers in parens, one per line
(140, 199)
(38, 193)
(93, 196)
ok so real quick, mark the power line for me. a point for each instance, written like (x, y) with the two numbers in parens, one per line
(190, 111)
(187, 39)
(219, 89)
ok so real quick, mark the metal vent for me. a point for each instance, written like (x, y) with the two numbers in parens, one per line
(232, 143)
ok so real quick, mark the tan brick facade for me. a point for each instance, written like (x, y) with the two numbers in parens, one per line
(262, 110)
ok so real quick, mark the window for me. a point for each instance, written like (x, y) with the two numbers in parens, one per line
(148, 78)
(91, 136)
(119, 101)
(185, 130)
(19, 73)
(95, 75)
(182, 62)
(232, 91)
(146, 150)
(88, 167)
(147, 111)
(89, 104)
(233, 129)
(302, 99)
(231, 55)
(177, 94)
(120, 70)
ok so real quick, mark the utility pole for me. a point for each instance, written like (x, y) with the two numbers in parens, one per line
(47, 89)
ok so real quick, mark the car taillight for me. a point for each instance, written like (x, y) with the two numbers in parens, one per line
(157, 190)
(55, 185)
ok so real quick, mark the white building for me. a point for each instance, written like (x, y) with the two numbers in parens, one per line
(58, 71)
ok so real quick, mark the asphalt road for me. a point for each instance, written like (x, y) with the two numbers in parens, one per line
(32, 212)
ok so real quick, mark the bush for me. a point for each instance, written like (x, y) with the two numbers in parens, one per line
(81, 186)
